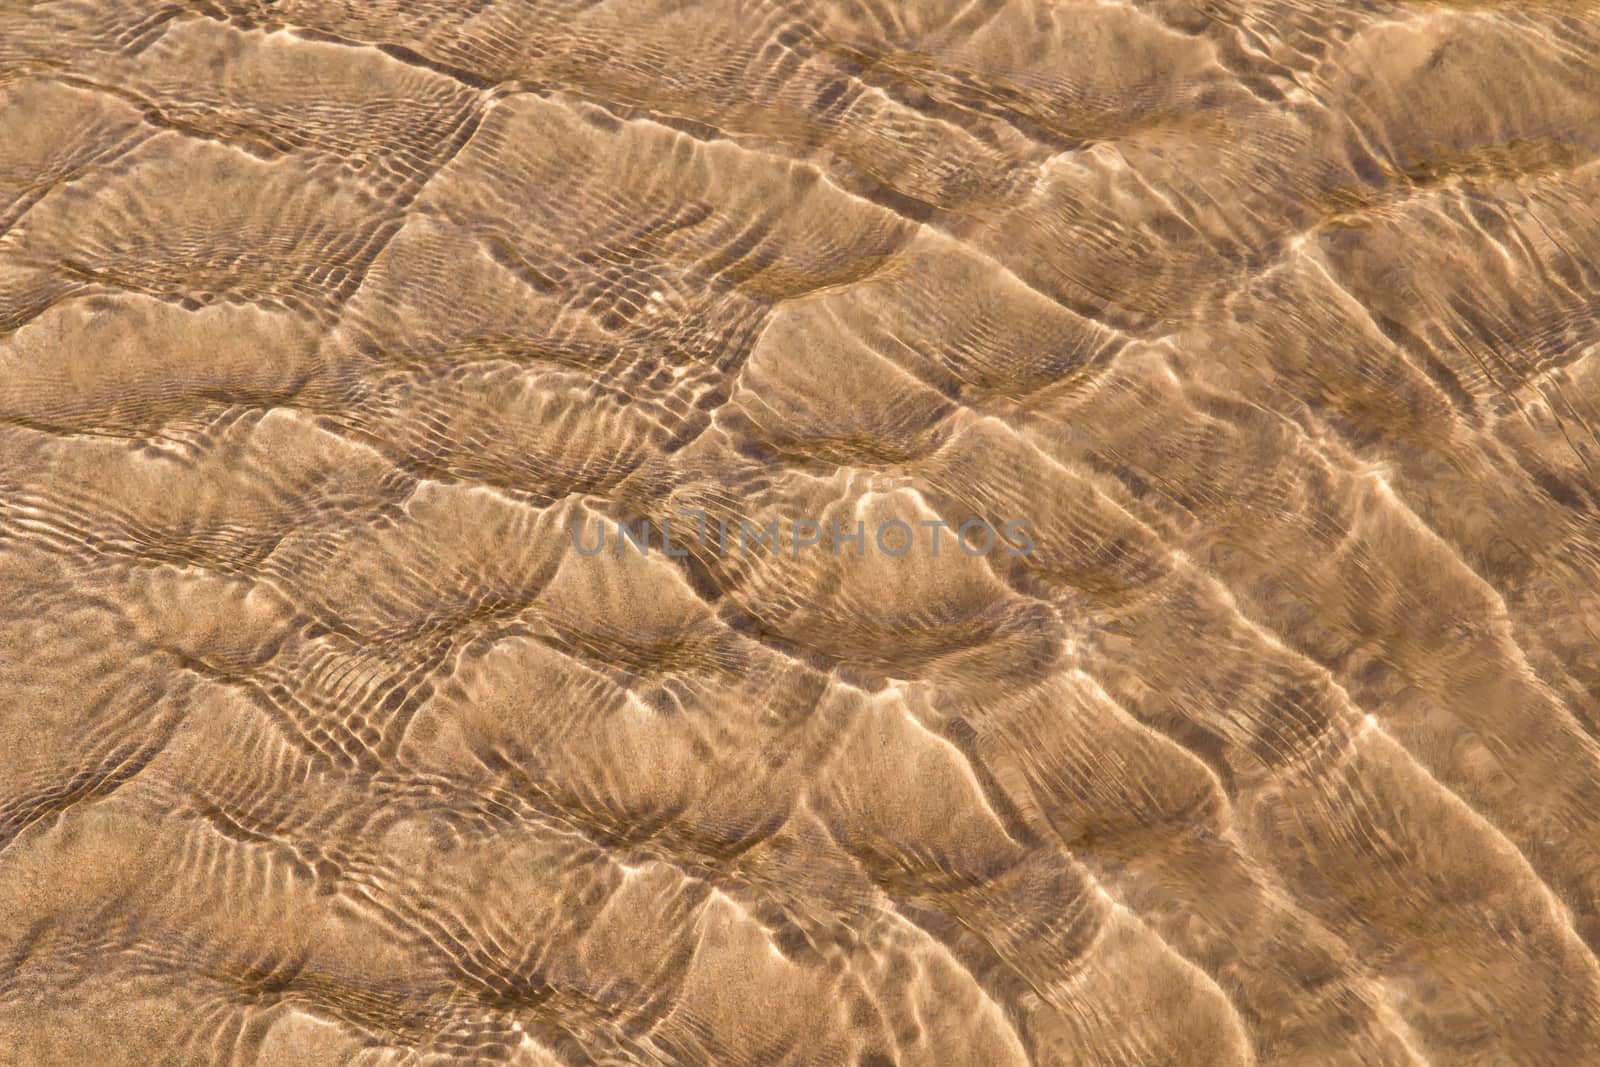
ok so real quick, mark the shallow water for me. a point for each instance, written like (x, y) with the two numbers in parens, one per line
(327, 328)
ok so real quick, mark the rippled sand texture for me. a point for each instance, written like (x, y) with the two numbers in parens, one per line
(322, 320)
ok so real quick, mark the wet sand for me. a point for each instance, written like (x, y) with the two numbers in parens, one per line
(325, 324)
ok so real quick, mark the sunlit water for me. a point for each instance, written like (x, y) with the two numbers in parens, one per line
(325, 325)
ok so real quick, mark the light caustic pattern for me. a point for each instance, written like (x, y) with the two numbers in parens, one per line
(323, 322)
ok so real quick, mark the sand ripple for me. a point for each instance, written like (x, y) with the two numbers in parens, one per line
(323, 323)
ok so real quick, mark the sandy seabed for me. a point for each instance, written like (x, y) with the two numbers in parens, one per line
(325, 323)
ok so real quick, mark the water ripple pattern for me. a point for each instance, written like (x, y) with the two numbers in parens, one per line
(327, 327)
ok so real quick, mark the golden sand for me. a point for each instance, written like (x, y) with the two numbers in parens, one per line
(324, 324)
